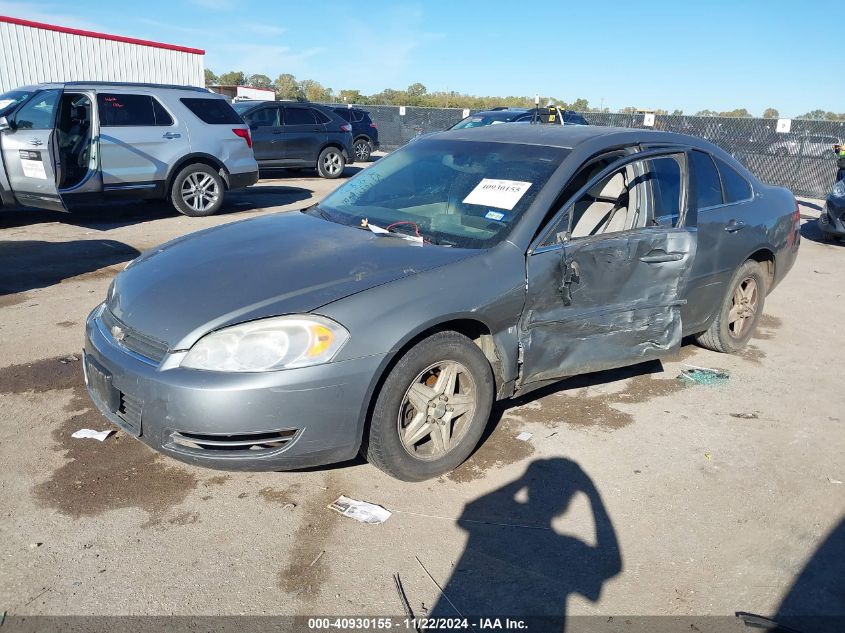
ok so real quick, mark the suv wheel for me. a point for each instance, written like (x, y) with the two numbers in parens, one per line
(363, 148)
(740, 311)
(432, 408)
(197, 191)
(331, 162)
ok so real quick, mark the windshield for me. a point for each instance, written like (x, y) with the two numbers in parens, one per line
(9, 100)
(457, 193)
(480, 120)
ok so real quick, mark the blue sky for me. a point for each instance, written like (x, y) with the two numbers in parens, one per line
(715, 54)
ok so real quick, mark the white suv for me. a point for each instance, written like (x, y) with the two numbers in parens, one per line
(68, 143)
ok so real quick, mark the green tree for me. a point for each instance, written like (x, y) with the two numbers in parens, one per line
(580, 105)
(210, 78)
(315, 91)
(707, 113)
(677, 113)
(233, 78)
(738, 113)
(416, 93)
(771, 113)
(259, 81)
(287, 88)
(351, 96)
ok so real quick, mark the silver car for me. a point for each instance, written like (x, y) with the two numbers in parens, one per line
(71, 143)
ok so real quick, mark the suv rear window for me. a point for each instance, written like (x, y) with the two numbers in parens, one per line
(122, 110)
(345, 114)
(321, 116)
(214, 111)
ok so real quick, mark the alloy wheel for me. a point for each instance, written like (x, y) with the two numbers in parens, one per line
(362, 150)
(743, 307)
(332, 163)
(200, 191)
(437, 410)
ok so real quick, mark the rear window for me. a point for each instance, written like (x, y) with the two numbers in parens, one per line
(321, 116)
(708, 187)
(736, 187)
(214, 111)
(123, 110)
(344, 114)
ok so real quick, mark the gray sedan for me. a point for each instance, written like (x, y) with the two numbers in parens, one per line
(471, 266)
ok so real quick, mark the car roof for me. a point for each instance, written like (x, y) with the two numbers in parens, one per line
(568, 136)
(116, 84)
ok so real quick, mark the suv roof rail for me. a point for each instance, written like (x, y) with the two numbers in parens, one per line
(131, 84)
(499, 108)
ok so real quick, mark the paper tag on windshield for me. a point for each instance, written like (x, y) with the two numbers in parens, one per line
(502, 194)
(33, 168)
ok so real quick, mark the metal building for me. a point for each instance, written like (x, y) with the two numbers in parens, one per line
(33, 52)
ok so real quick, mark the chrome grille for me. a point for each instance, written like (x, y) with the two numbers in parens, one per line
(232, 445)
(133, 340)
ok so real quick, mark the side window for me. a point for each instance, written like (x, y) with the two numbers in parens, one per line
(212, 110)
(162, 116)
(38, 113)
(615, 203)
(299, 116)
(121, 110)
(666, 190)
(708, 187)
(737, 188)
(344, 114)
(263, 117)
(320, 117)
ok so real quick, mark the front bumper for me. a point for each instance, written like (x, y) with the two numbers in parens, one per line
(832, 220)
(252, 421)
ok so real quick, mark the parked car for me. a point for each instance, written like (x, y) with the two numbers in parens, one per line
(65, 144)
(470, 266)
(297, 134)
(832, 218)
(364, 132)
(549, 114)
(806, 145)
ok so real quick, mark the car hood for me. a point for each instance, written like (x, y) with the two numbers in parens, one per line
(278, 264)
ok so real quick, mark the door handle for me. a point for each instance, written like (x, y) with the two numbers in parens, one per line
(36, 141)
(172, 135)
(734, 226)
(658, 256)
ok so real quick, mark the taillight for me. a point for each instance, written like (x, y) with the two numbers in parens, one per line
(372, 125)
(345, 128)
(244, 134)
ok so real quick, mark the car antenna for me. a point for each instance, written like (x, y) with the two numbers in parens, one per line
(536, 107)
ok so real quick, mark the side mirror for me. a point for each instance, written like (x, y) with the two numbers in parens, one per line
(4, 124)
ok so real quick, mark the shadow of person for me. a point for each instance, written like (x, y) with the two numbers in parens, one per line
(516, 564)
(815, 603)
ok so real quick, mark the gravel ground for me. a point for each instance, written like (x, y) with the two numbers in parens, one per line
(636, 494)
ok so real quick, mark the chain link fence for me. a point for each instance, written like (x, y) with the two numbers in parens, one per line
(802, 160)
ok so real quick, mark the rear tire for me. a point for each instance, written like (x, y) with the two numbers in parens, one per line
(363, 148)
(331, 163)
(432, 408)
(740, 311)
(197, 191)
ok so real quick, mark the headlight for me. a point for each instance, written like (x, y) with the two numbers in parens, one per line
(268, 344)
(839, 189)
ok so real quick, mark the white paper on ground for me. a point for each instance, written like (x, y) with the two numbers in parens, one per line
(94, 435)
(502, 194)
(33, 169)
(360, 510)
(525, 436)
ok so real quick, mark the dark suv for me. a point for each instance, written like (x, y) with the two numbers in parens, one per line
(364, 131)
(550, 114)
(296, 134)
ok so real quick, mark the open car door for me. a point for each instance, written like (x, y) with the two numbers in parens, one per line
(606, 282)
(29, 152)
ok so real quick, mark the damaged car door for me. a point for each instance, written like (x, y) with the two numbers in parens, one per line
(606, 280)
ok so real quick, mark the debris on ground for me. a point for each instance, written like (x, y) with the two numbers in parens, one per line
(745, 416)
(64, 360)
(525, 436)
(402, 597)
(704, 375)
(833, 481)
(36, 544)
(318, 557)
(360, 510)
(92, 434)
(709, 456)
(436, 584)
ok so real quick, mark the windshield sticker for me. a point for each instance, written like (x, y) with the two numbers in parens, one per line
(502, 194)
(33, 168)
(494, 215)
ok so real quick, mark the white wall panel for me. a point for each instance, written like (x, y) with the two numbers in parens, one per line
(31, 55)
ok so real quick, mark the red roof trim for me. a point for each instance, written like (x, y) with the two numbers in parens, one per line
(102, 36)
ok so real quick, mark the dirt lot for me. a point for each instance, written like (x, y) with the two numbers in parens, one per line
(638, 493)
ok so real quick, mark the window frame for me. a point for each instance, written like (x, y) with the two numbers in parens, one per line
(638, 155)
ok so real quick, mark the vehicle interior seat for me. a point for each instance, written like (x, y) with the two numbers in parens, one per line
(74, 132)
(601, 209)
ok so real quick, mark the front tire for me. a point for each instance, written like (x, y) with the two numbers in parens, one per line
(197, 191)
(331, 163)
(740, 311)
(432, 408)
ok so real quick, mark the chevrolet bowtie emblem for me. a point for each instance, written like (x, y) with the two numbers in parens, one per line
(117, 333)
